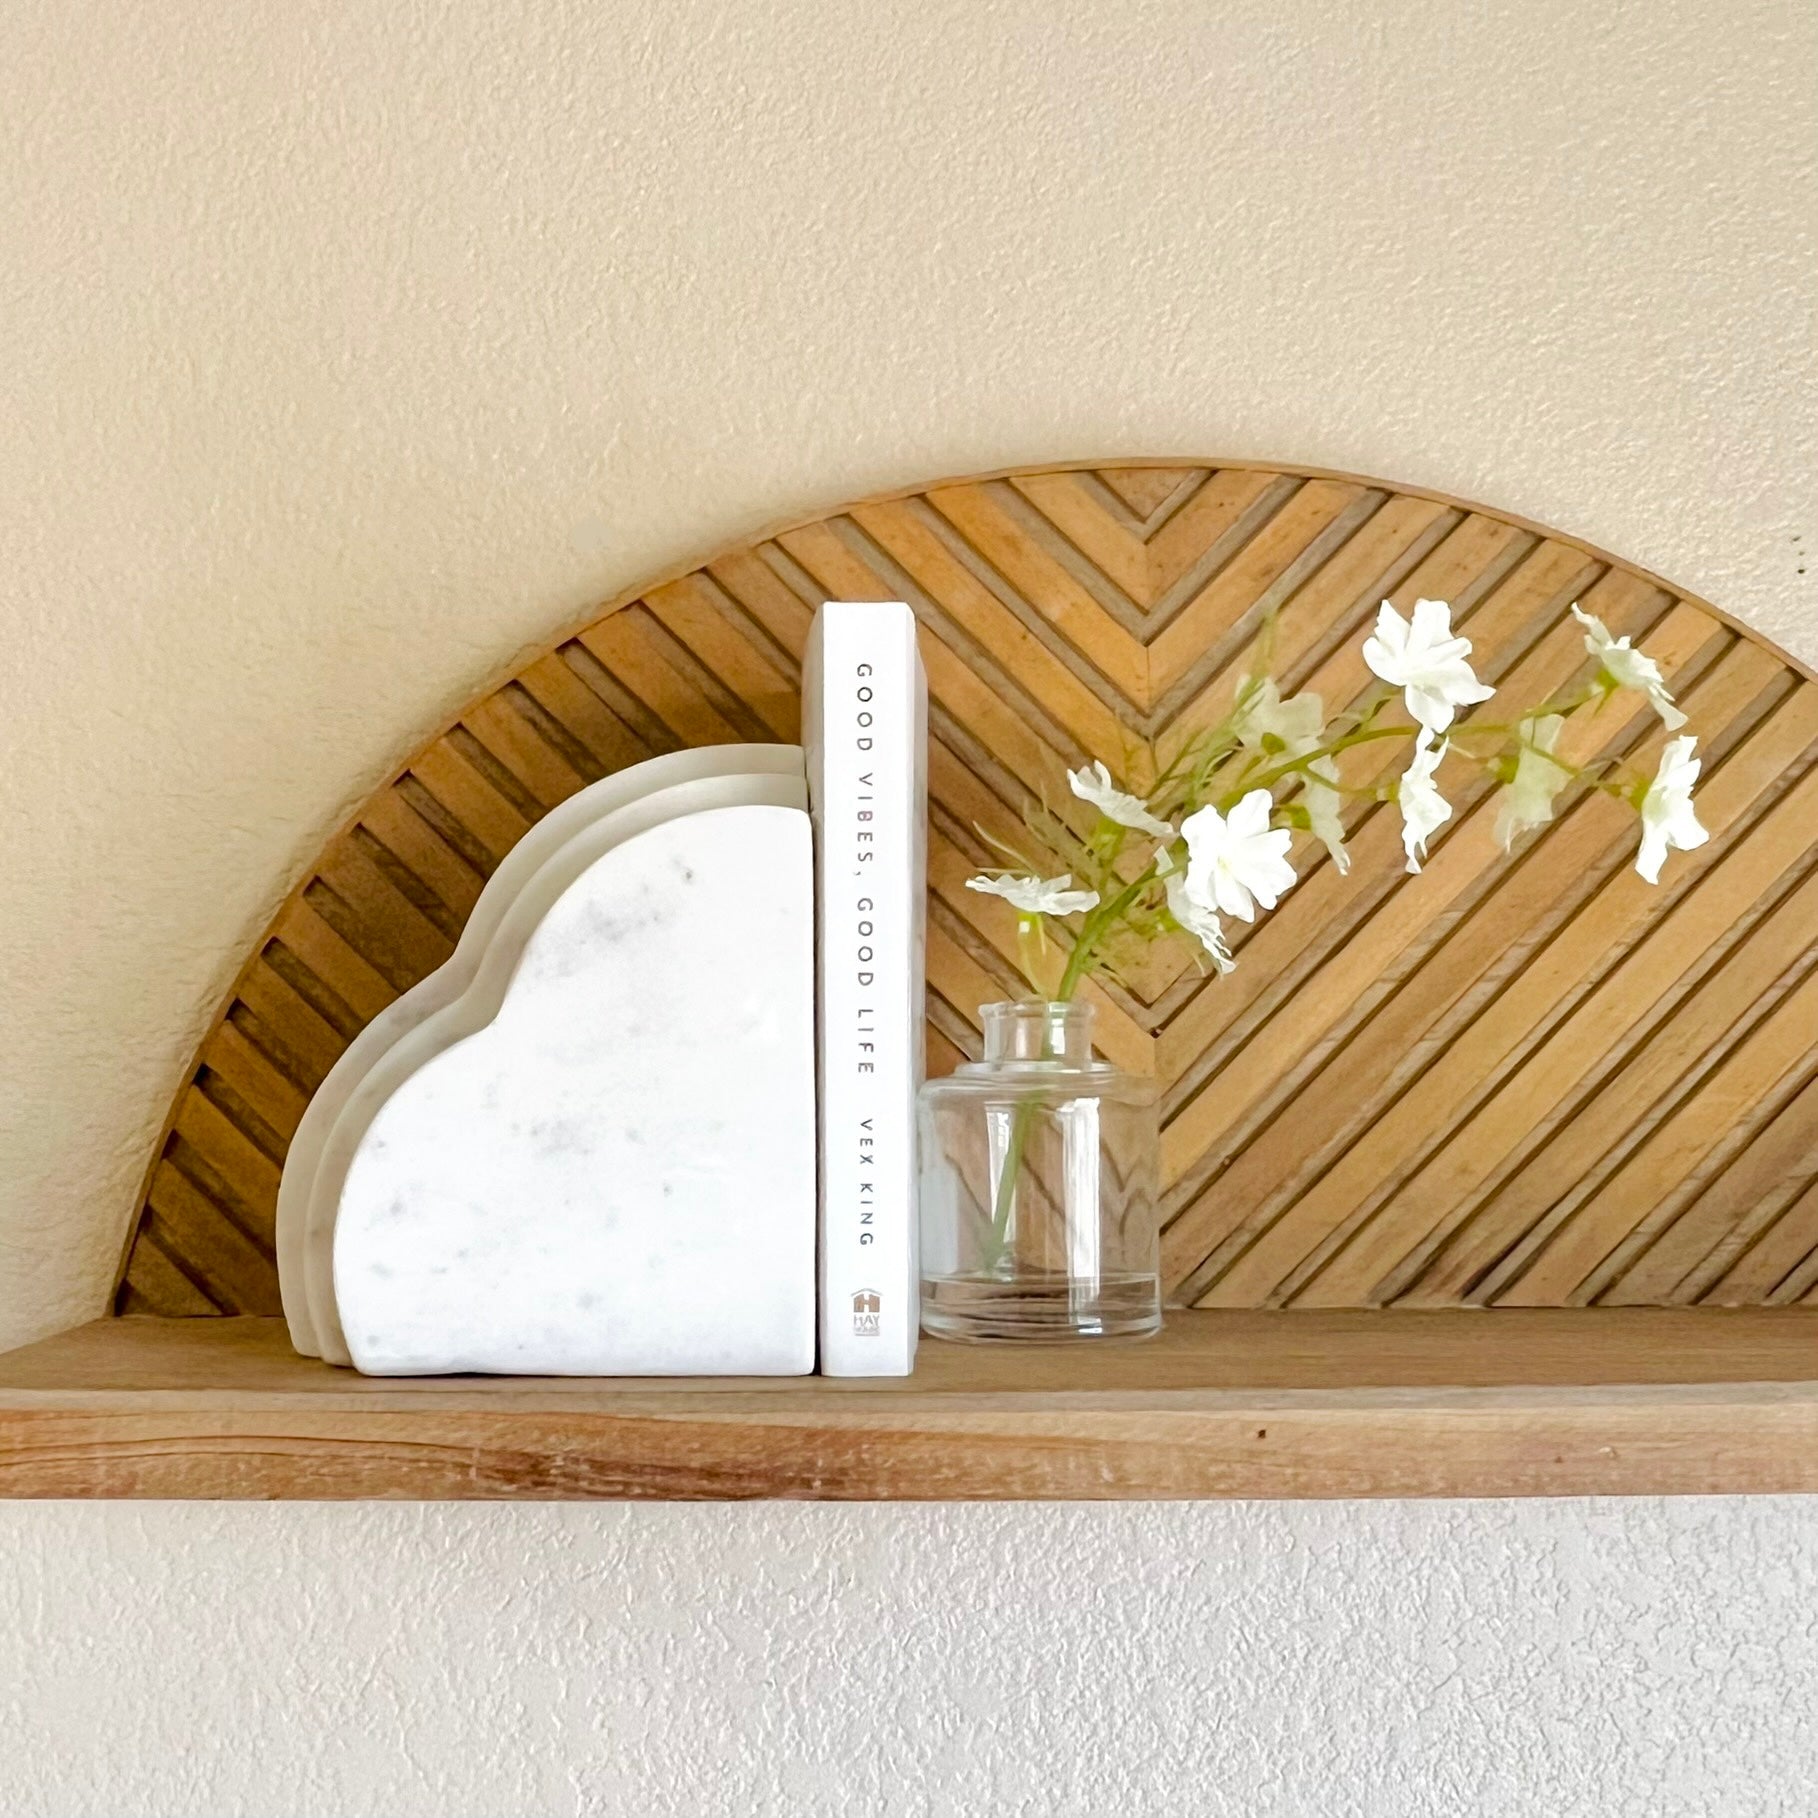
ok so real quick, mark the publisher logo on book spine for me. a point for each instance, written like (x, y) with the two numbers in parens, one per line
(866, 1305)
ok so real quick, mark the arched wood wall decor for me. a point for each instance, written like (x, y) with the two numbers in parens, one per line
(1526, 1081)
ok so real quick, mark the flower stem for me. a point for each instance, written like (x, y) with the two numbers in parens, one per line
(1073, 974)
(1004, 1200)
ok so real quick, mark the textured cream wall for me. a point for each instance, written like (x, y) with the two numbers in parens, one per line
(348, 350)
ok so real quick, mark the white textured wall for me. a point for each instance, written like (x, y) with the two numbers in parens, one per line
(1261, 1660)
(346, 350)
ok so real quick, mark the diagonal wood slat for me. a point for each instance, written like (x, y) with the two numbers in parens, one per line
(1144, 491)
(1514, 1081)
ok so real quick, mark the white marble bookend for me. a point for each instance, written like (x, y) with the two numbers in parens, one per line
(464, 994)
(616, 1175)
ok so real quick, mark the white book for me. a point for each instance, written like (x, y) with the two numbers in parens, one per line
(865, 726)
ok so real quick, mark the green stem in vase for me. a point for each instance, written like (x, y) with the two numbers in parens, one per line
(1028, 1109)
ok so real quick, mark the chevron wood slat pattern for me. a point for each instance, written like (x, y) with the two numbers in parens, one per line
(1513, 1081)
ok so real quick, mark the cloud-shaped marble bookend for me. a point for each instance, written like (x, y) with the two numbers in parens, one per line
(615, 1175)
(464, 994)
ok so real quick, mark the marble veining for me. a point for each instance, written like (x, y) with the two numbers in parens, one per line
(616, 1175)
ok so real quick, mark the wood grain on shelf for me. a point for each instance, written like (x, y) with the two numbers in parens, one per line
(1243, 1404)
(1524, 1081)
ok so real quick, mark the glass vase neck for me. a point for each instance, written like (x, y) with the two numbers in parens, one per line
(1038, 1031)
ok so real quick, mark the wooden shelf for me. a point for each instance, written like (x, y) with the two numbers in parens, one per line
(1238, 1404)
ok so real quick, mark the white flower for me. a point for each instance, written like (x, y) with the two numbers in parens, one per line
(1037, 896)
(1094, 785)
(1528, 800)
(1667, 819)
(1323, 817)
(1628, 667)
(1236, 861)
(1423, 809)
(1299, 724)
(1426, 661)
(1200, 922)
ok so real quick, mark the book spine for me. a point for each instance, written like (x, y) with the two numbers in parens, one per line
(865, 728)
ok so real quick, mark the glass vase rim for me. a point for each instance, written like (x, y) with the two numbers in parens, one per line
(1008, 1019)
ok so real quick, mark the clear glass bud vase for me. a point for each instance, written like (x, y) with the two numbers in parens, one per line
(1038, 1215)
